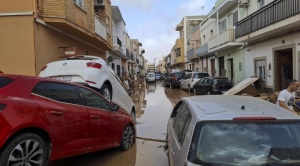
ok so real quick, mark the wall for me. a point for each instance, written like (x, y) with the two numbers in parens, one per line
(16, 6)
(48, 41)
(266, 49)
(16, 43)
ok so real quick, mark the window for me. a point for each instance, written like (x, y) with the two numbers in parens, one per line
(261, 3)
(181, 122)
(177, 52)
(93, 100)
(80, 3)
(5, 81)
(235, 18)
(57, 91)
(223, 25)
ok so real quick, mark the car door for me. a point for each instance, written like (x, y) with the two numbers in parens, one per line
(178, 127)
(104, 125)
(185, 80)
(204, 86)
(69, 119)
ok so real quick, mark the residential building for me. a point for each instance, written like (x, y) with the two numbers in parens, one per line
(270, 31)
(225, 56)
(34, 33)
(184, 28)
(119, 41)
(161, 66)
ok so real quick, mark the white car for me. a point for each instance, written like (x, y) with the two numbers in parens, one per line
(232, 130)
(150, 77)
(94, 72)
(190, 78)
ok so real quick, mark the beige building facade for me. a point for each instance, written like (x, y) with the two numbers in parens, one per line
(34, 33)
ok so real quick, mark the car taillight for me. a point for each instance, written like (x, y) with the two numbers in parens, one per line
(43, 68)
(254, 118)
(2, 106)
(94, 65)
(174, 78)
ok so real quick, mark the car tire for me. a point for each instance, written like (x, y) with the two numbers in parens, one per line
(38, 153)
(106, 92)
(127, 138)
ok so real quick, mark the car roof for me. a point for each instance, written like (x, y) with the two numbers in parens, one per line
(227, 107)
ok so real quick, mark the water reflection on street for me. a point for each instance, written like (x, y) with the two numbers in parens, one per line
(154, 104)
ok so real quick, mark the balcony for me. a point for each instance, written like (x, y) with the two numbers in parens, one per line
(274, 18)
(202, 50)
(100, 27)
(223, 41)
(117, 47)
(76, 23)
(190, 54)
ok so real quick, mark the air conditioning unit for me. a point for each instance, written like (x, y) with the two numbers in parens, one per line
(243, 3)
(99, 2)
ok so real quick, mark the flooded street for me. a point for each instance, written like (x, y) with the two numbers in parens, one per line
(154, 105)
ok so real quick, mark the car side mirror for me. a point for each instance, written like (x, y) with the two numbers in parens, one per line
(115, 107)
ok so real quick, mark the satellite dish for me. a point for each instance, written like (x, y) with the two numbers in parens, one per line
(110, 59)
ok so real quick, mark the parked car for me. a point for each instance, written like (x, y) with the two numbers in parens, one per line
(173, 79)
(150, 77)
(45, 119)
(93, 72)
(157, 76)
(190, 78)
(232, 130)
(212, 85)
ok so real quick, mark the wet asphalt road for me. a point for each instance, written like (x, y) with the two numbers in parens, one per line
(154, 105)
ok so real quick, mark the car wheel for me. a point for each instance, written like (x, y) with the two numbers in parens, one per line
(26, 149)
(127, 138)
(106, 92)
(194, 90)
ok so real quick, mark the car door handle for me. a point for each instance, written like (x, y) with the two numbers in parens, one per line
(94, 116)
(57, 113)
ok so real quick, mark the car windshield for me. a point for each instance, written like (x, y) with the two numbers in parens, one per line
(245, 143)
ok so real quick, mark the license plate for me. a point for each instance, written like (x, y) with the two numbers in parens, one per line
(62, 78)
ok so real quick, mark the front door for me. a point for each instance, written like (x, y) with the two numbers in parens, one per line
(260, 71)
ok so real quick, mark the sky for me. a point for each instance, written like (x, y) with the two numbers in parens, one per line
(153, 22)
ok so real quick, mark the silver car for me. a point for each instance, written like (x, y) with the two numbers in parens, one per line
(232, 130)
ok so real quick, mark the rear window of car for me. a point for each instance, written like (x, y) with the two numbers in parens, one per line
(5, 81)
(200, 75)
(221, 81)
(245, 143)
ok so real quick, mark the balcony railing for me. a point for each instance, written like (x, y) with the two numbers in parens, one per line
(127, 53)
(190, 53)
(202, 49)
(100, 27)
(117, 44)
(271, 13)
(227, 35)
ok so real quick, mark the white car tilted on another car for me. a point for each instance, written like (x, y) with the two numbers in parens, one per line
(94, 72)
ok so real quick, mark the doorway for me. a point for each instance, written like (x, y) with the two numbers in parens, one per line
(260, 71)
(231, 70)
(221, 66)
(213, 70)
(283, 72)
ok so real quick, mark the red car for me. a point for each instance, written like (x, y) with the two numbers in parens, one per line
(44, 119)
